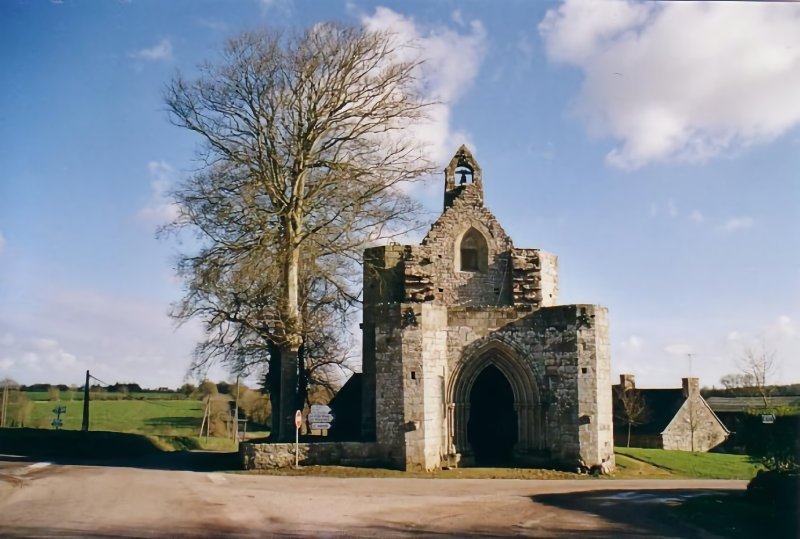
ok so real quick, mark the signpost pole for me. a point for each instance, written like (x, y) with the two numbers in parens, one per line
(298, 420)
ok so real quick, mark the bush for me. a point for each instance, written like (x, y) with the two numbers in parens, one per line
(776, 445)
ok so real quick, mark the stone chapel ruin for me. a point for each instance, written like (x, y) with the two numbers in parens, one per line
(468, 359)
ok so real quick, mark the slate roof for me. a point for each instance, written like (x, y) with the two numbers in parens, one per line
(346, 407)
(661, 405)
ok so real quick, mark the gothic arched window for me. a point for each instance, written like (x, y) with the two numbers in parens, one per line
(473, 252)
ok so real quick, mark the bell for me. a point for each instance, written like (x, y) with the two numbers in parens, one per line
(463, 177)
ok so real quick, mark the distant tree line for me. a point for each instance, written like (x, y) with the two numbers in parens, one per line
(738, 390)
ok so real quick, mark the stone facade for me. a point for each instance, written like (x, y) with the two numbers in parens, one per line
(467, 356)
(695, 427)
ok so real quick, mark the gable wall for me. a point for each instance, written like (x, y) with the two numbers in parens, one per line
(440, 253)
(694, 428)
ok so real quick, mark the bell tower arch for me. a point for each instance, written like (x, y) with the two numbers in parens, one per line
(462, 175)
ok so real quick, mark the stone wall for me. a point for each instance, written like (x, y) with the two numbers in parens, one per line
(694, 428)
(535, 278)
(266, 456)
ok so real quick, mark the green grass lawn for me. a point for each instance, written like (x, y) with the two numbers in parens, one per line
(168, 417)
(686, 464)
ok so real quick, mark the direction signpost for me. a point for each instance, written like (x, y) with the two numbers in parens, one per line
(320, 417)
(57, 423)
(298, 420)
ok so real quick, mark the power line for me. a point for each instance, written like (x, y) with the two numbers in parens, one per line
(99, 380)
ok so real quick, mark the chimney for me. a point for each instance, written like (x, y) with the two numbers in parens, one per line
(626, 381)
(691, 386)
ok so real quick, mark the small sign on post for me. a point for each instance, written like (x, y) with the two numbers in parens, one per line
(320, 417)
(298, 420)
(768, 418)
(57, 423)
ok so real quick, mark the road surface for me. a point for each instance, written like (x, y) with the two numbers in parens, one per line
(50, 500)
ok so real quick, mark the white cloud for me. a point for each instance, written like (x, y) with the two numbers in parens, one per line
(783, 327)
(7, 339)
(6, 364)
(672, 209)
(697, 216)
(736, 223)
(119, 339)
(159, 210)
(452, 59)
(679, 349)
(633, 343)
(682, 81)
(2, 242)
(160, 51)
(734, 336)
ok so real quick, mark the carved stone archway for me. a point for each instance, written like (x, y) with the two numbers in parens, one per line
(531, 437)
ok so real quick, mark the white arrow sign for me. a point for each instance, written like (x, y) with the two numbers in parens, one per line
(320, 413)
(320, 426)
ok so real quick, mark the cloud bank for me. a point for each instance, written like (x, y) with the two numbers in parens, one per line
(451, 62)
(682, 81)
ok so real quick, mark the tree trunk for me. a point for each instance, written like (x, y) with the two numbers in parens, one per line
(273, 383)
(292, 332)
(629, 435)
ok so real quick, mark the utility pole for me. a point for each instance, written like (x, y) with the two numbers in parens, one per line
(85, 424)
(5, 406)
(236, 413)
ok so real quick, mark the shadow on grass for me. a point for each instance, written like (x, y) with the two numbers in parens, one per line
(116, 449)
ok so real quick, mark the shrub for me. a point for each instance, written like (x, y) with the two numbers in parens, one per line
(776, 446)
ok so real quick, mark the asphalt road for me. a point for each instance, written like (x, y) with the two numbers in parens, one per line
(56, 500)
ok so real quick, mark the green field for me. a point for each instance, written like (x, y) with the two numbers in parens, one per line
(77, 395)
(167, 417)
(686, 464)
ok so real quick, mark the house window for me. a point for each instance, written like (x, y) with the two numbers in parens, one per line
(473, 252)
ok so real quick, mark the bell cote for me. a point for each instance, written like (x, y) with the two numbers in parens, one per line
(462, 177)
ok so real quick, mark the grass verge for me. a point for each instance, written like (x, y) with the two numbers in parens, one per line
(691, 465)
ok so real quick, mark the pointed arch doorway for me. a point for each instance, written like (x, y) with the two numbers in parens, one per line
(495, 414)
(492, 425)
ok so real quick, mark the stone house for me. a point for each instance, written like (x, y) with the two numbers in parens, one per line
(674, 418)
(467, 356)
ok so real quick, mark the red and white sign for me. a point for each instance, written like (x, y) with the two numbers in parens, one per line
(298, 418)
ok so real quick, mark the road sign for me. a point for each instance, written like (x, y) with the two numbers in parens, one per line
(768, 418)
(298, 418)
(320, 426)
(320, 413)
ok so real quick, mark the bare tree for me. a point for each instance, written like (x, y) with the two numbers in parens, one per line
(632, 410)
(735, 381)
(305, 147)
(758, 364)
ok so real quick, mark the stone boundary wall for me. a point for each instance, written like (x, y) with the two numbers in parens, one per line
(266, 456)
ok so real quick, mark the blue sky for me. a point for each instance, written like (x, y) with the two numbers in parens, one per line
(654, 147)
